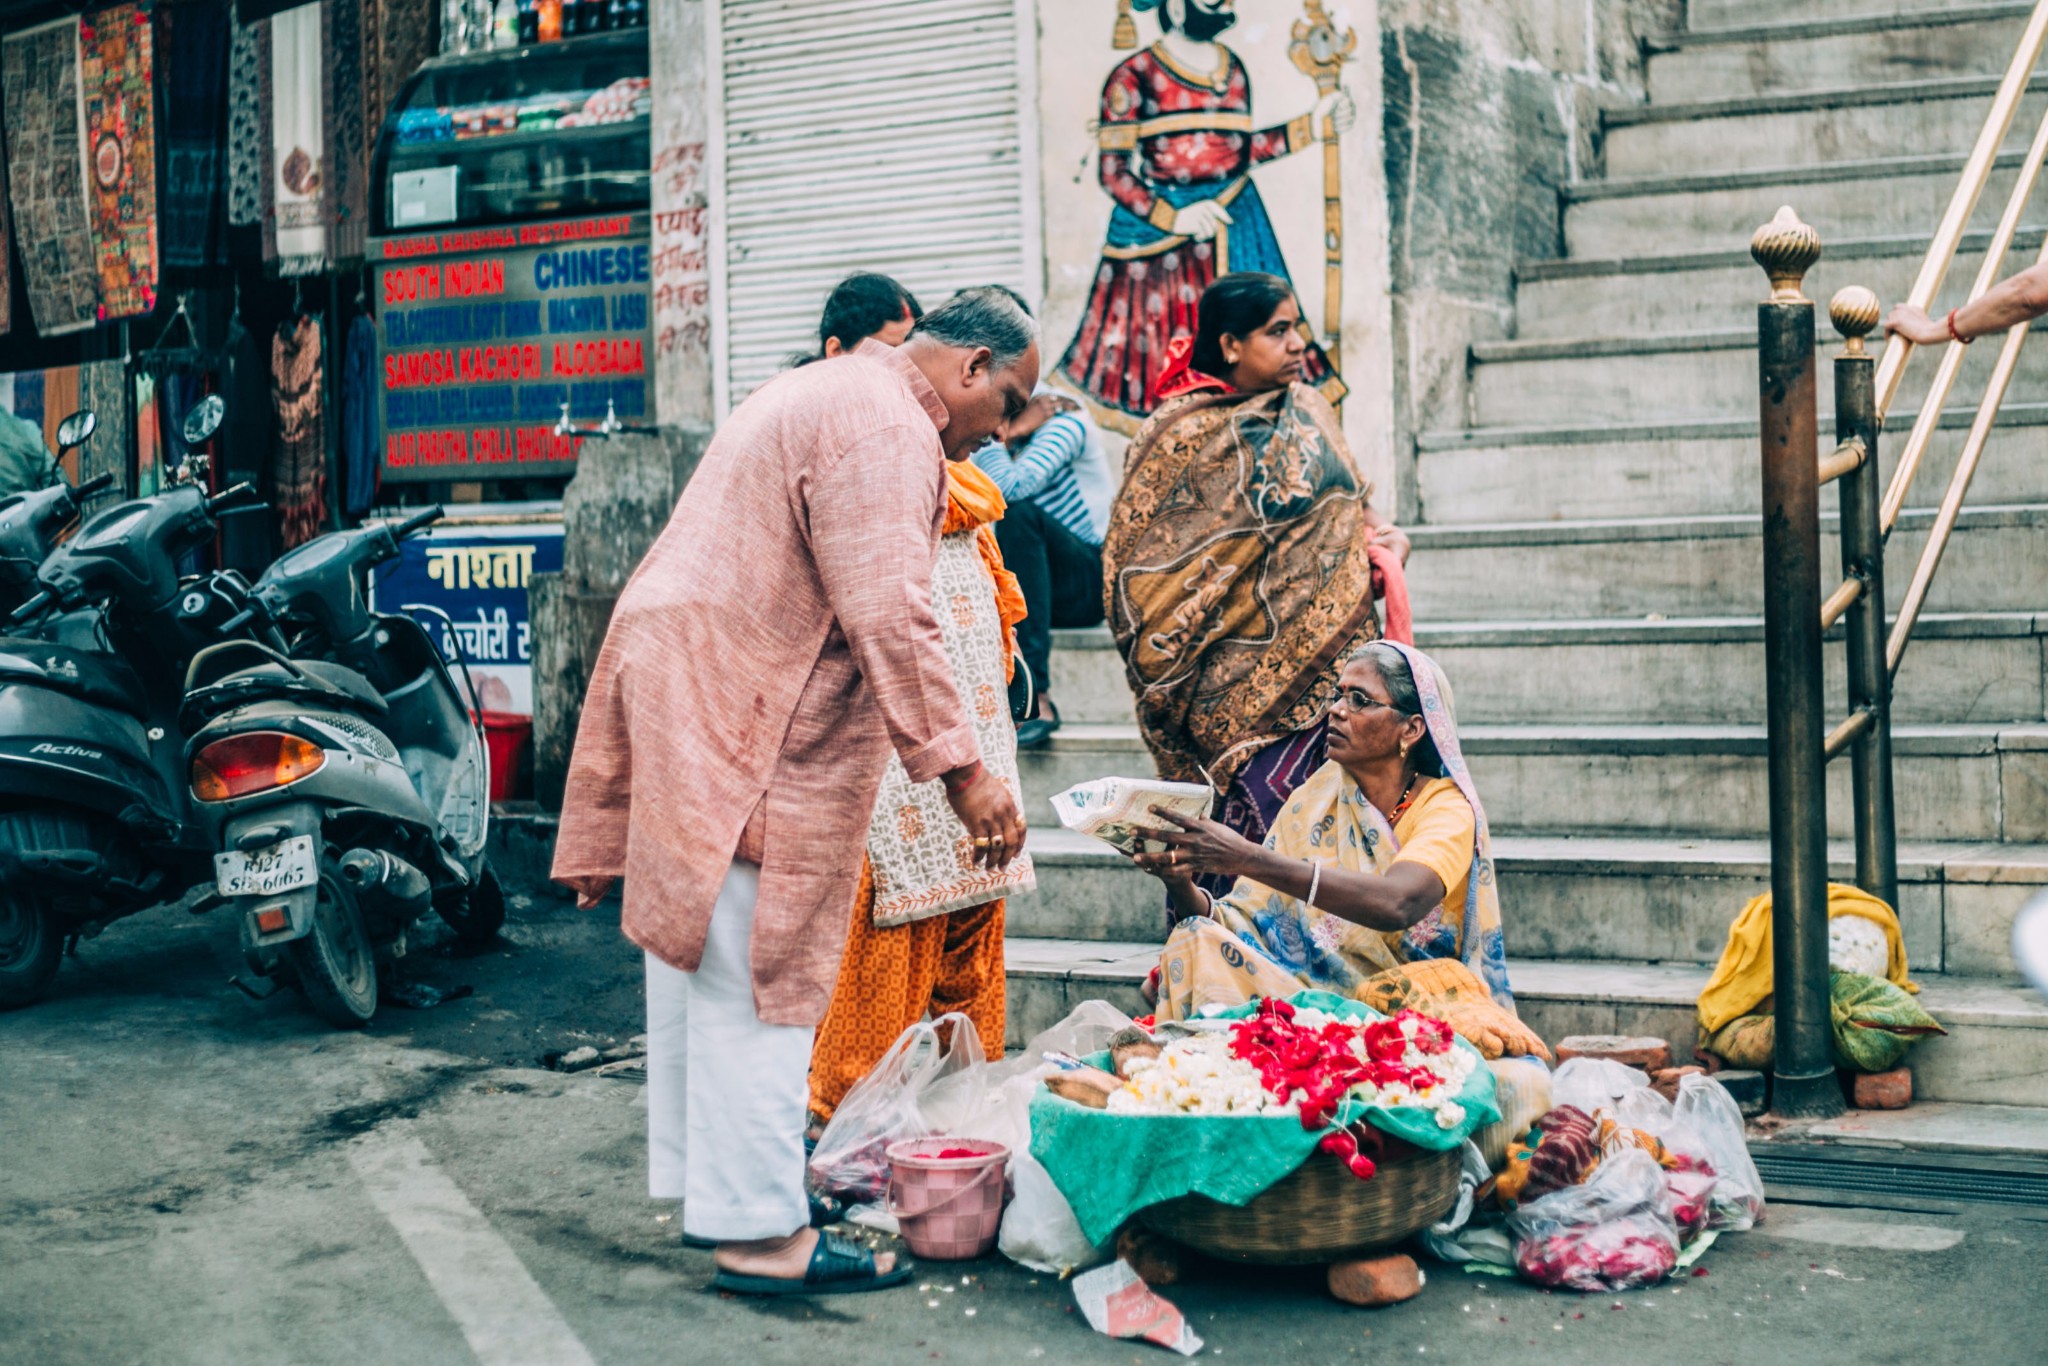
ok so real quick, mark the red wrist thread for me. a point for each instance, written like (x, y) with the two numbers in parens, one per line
(1955, 335)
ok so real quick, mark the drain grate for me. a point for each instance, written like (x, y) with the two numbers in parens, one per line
(1925, 1177)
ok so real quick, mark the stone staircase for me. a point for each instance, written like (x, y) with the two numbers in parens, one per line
(1587, 563)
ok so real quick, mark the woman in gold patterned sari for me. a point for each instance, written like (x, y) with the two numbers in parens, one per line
(1238, 570)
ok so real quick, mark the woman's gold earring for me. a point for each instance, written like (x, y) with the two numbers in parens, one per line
(1405, 747)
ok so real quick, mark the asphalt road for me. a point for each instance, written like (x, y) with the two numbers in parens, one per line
(190, 1176)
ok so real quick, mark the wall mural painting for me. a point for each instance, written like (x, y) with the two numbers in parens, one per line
(1177, 152)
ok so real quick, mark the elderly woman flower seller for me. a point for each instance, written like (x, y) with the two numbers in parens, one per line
(1238, 569)
(1376, 881)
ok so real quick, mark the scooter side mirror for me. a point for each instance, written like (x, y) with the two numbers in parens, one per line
(77, 429)
(204, 419)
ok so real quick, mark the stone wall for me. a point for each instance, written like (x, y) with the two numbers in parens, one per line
(1491, 107)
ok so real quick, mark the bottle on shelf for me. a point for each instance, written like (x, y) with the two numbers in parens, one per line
(550, 20)
(529, 22)
(572, 18)
(505, 24)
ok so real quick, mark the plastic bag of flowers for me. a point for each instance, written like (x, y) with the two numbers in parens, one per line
(1615, 1231)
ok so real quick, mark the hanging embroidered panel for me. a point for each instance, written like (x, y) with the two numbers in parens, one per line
(116, 60)
(39, 93)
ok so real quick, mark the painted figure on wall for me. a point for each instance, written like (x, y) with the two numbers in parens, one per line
(1177, 151)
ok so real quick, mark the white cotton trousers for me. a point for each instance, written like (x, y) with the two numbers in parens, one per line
(726, 1094)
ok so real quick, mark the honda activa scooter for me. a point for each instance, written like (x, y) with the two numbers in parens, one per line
(31, 522)
(92, 790)
(343, 780)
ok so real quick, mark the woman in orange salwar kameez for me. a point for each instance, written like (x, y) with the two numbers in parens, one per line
(927, 924)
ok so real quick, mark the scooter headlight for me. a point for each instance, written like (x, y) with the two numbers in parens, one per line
(255, 761)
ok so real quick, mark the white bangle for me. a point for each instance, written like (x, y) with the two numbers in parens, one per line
(1315, 882)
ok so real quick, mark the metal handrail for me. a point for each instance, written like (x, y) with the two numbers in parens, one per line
(1929, 417)
(1948, 234)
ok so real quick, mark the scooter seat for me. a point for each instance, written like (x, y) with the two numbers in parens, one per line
(101, 679)
(318, 680)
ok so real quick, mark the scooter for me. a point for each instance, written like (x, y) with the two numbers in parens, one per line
(343, 781)
(31, 522)
(92, 791)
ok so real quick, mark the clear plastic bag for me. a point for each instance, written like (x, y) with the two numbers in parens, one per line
(1039, 1229)
(1595, 1083)
(923, 1082)
(1614, 1232)
(1711, 1115)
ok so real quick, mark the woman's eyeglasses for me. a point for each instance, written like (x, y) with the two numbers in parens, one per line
(1357, 699)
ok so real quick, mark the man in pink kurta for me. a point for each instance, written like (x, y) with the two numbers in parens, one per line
(777, 641)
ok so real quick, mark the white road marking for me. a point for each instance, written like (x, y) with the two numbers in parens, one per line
(1840, 1229)
(506, 1318)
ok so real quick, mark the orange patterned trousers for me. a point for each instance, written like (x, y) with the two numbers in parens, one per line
(890, 979)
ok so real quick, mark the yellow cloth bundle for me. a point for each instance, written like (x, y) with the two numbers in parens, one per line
(1742, 979)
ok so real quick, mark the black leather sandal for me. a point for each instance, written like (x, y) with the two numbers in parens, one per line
(838, 1267)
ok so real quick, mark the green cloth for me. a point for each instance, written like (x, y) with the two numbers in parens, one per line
(1110, 1166)
(1874, 1021)
(25, 463)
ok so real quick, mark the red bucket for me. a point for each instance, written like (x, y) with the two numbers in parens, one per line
(948, 1208)
(505, 737)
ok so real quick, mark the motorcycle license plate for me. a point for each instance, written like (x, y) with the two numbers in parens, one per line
(281, 867)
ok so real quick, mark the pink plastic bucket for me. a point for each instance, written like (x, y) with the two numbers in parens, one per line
(949, 1208)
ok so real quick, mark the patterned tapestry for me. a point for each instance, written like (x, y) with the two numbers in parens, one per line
(116, 62)
(295, 223)
(348, 141)
(195, 48)
(248, 136)
(39, 92)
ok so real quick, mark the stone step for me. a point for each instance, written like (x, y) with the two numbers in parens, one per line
(1710, 670)
(1659, 291)
(1622, 671)
(1700, 468)
(1697, 375)
(1841, 199)
(1902, 118)
(1960, 783)
(1604, 899)
(1714, 15)
(1996, 1049)
(1996, 561)
(1809, 54)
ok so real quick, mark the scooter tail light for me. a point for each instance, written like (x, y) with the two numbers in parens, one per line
(256, 761)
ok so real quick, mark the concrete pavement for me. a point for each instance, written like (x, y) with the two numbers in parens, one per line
(189, 1176)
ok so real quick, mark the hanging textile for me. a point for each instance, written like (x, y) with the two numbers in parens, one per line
(39, 91)
(300, 454)
(359, 389)
(103, 387)
(409, 32)
(117, 57)
(243, 446)
(295, 224)
(248, 132)
(149, 432)
(195, 49)
(347, 162)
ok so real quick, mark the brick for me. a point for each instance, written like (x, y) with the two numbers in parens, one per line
(1891, 1090)
(1665, 1082)
(1712, 1062)
(1648, 1054)
(1157, 1260)
(1376, 1281)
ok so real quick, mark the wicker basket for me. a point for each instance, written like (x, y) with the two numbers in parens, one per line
(1318, 1212)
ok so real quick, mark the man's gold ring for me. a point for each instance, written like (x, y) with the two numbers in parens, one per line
(982, 841)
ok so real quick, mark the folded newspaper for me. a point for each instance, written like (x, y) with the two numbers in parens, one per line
(1118, 811)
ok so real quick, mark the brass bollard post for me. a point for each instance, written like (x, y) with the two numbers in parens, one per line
(1854, 312)
(1803, 1067)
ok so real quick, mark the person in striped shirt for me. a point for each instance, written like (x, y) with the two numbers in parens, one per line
(1053, 473)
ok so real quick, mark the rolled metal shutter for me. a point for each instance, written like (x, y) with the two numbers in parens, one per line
(866, 135)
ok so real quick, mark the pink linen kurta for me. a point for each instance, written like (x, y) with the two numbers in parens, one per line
(776, 641)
